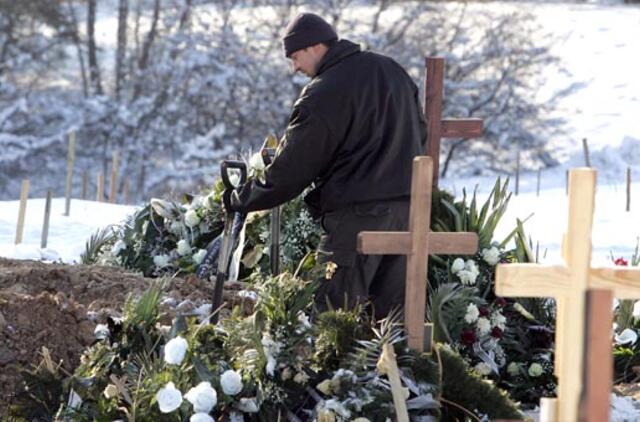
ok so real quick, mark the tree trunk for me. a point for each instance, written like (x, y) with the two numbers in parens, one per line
(143, 61)
(78, 43)
(94, 69)
(123, 12)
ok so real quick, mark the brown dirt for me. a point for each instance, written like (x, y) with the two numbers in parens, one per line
(56, 306)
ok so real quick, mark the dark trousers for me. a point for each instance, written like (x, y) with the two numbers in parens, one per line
(378, 279)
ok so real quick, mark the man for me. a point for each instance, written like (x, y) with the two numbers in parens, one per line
(353, 134)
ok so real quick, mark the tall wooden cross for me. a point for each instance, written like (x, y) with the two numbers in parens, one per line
(568, 284)
(417, 244)
(437, 127)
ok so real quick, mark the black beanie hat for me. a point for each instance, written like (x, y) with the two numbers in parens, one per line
(306, 30)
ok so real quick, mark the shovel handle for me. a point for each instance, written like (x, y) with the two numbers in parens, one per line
(227, 165)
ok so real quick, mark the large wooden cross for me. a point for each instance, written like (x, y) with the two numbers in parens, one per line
(437, 127)
(568, 284)
(417, 244)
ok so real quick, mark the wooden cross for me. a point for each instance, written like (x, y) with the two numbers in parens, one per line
(568, 284)
(437, 127)
(417, 244)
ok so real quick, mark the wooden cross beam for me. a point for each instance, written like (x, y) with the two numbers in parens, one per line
(568, 284)
(437, 127)
(417, 244)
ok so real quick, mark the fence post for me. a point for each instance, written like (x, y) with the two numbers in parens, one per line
(71, 158)
(125, 192)
(85, 184)
(45, 225)
(585, 147)
(100, 188)
(113, 184)
(24, 194)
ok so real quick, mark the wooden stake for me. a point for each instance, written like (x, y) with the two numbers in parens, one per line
(45, 225)
(85, 184)
(24, 195)
(538, 182)
(71, 158)
(628, 189)
(113, 184)
(518, 173)
(566, 182)
(585, 148)
(125, 192)
(100, 188)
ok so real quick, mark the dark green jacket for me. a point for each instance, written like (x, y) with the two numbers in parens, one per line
(353, 133)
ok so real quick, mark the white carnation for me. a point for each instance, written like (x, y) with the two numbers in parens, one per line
(271, 350)
(161, 261)
(627, 336)
(471, 266)
(484, 326)
(174, 350)
(256, 162)
(201, 417)
(472, 313)
(175, 227)
(203, 397)
(118, 247)
(467, 277)
(535, 370)
(458, 265)
(169, 398)
(498, 320)
(248, 405)
(183, 247)
(513, 369)
(231, 382)
(483, 369)
(191, 218)
(198, 257)
(491, 255)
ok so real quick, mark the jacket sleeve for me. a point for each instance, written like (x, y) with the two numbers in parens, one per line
(305, 151)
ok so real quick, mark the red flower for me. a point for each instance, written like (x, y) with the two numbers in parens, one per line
(496, 332)
(484, 311)
(501, 302)
(621, 261)
(468, 337)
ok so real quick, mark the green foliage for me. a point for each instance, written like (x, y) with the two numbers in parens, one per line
(96, 245)
(336, 333)
(446, 303)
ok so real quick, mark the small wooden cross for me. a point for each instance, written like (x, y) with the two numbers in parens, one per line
(437, 127)
(417, 244)
(568, 284)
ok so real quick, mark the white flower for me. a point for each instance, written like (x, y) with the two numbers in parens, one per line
(191, 218)
(118, 247)
(198, 257)
(271, 350)
(472, 313)
(491, 255)
(161, 261)
(301, 378)
(248, 405)
(174, 350)
(175, 227)
(110, 391)
(183, 247)
(304, 319)
(203, 397)
(231, 382)
(234, 179)
(169, 398)
(236, 417)
(458, 265)
(636, 310)
(337, 407)
(498, 320)
(200, 417)
(471, 266)
(627, 336)
(484, 326)
(256, 162)
(535, 370)
(101, 331)
(513, 369)
(482, 368)
(467, 277)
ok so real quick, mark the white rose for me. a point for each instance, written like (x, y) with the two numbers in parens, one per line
(627, 336)
(471, 266)
(175, 227)
(484, 326)
(467, 277)
(491, 255)
(535, 370)
(231, 382)
(458, 265)
(203, 397)
(200, 417)
(161, 261)
(248, 405)
(301, 378)
(110, 391)
(513, 369)
(198, 257)
(118, 247)
(483, 369)
(169, 398)
(183, 247)
(472, 313)
(498, 320)
(256, 162)
(174, 350)
(191, 218)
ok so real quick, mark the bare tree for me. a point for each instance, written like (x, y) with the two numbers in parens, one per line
(94, 67)
(123, 11)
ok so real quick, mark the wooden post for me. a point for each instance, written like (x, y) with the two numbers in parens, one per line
(85, 184)
(538, 182)
(438, 128)
(566, 182)
(113, 184)
(585, 148)
(71, 158)
(125, 192)
(417, 244)
(24, 194)
(597, 356)
(548, 409)
(518, 173)
(100, 188)
(45, 225)
(628, 208)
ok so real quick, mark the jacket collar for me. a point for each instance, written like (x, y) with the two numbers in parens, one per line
(336, 53)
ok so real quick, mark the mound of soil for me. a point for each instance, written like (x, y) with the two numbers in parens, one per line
(58, 306)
